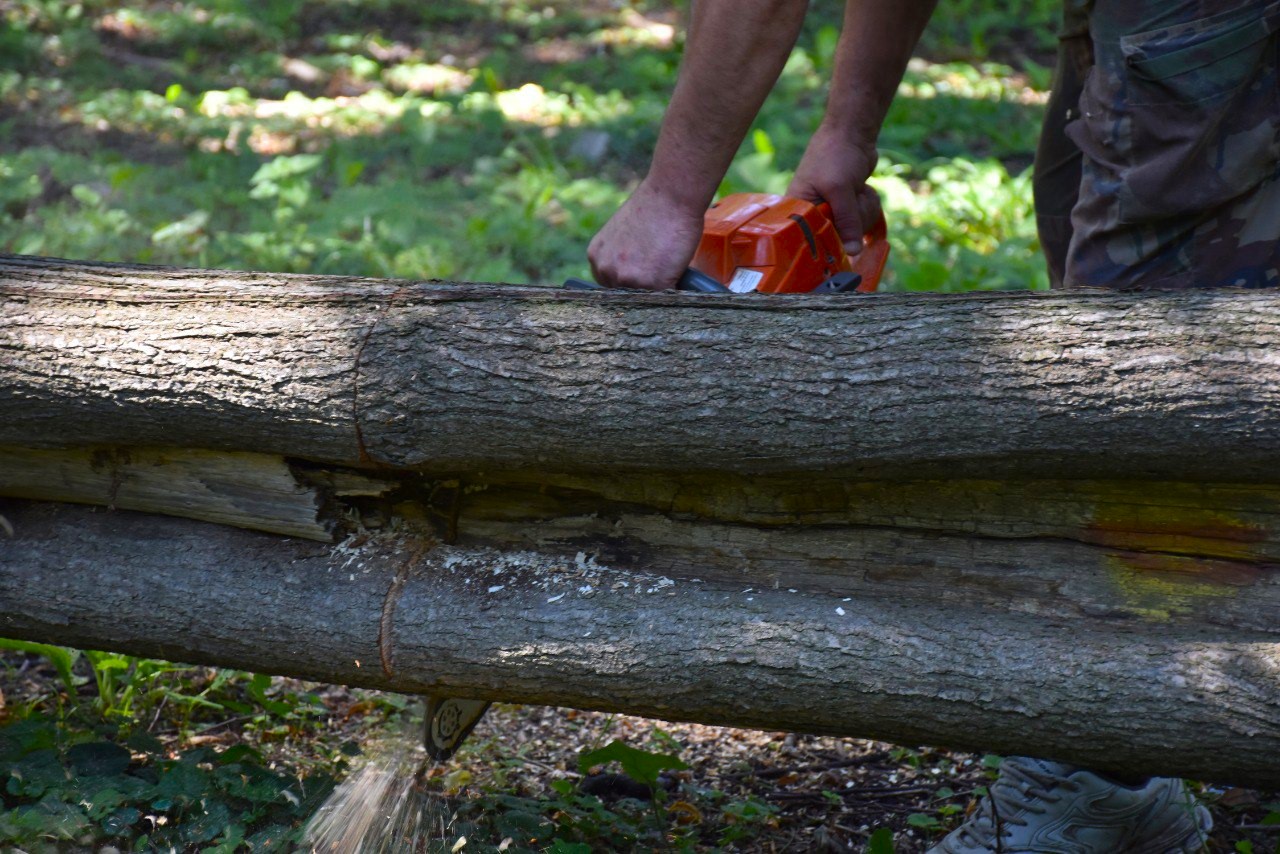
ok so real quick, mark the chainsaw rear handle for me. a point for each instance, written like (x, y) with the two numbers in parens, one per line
(692, 280)
(869, 263)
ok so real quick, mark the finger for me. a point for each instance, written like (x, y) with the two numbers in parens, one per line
(801, 189)
(849, 223)
(869, 206)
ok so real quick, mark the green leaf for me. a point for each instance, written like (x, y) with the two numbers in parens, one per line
(230, 841)
(763, 144)
(559, 846)
(881, 842)
(62, 658)
(212, 823)
(638, 764)
(562, 787)
(141, 741)
(120, 821)
(182, 230)
(181, 781)
(238, 753)
(1244, 846)
(923, 821)
(1271, 818)
(35, 773)
(274, 838)
(98, 759)
(520, 824)
(86, 195)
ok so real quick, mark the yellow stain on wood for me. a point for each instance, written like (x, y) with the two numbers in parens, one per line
(1177, 554)
(1160, 586)
(1185, 519)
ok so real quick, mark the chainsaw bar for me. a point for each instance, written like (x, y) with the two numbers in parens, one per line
(449, 721)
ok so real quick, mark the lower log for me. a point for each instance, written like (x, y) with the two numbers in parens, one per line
(412, 616)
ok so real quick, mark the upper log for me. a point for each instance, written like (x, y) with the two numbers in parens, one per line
(457, 377)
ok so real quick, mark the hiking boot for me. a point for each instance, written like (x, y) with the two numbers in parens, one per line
(1041, 807)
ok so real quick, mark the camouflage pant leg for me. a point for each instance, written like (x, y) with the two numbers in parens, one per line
(1179, 129)
(1056, 177)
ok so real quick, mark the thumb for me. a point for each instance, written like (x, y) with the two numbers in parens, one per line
(849, 224)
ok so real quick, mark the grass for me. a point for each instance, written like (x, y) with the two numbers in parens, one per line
(461, 140)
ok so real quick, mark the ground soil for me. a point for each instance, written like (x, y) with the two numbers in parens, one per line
(830, 793)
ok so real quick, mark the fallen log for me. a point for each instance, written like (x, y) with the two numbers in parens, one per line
(457, 377)
(413, 616)
(1042, 516)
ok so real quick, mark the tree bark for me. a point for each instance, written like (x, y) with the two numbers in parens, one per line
(445, 377)
(1052, 523)
(413, 616)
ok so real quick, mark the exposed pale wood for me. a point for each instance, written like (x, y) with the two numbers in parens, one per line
(455, 377)
(546, 628)
(232, 488)
(1156, 552)
(1194, 553)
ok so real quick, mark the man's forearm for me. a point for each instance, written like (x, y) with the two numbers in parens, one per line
(736, 49)
(876, 43)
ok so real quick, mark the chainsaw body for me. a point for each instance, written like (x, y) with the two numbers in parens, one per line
(763, 243)
(768, 244)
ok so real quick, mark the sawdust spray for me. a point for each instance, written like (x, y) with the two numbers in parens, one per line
(385, 806)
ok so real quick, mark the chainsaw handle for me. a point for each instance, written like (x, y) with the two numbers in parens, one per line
(699, 282)
(869, 263)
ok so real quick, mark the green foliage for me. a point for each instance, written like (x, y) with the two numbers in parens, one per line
(229, 146)
(924, 821)
(62, 787)
(745, 819)
(642, 765)
(880, 842)
(62, 658)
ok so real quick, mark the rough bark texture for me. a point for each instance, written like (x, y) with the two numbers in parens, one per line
(475, 377)
(1052, 523)
(534, 627)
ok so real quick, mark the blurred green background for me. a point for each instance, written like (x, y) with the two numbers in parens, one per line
(468, 140)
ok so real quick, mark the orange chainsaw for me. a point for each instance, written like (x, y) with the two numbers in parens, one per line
(763, 243)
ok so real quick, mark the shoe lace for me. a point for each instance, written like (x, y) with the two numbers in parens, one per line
(1022, 790)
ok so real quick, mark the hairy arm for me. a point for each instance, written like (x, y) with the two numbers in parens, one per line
(733, 55)
(875, 45)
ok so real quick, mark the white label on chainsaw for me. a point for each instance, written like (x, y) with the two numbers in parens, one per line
(744, 280)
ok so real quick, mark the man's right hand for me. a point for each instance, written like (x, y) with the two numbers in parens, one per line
(648, 243)
(835, 169)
